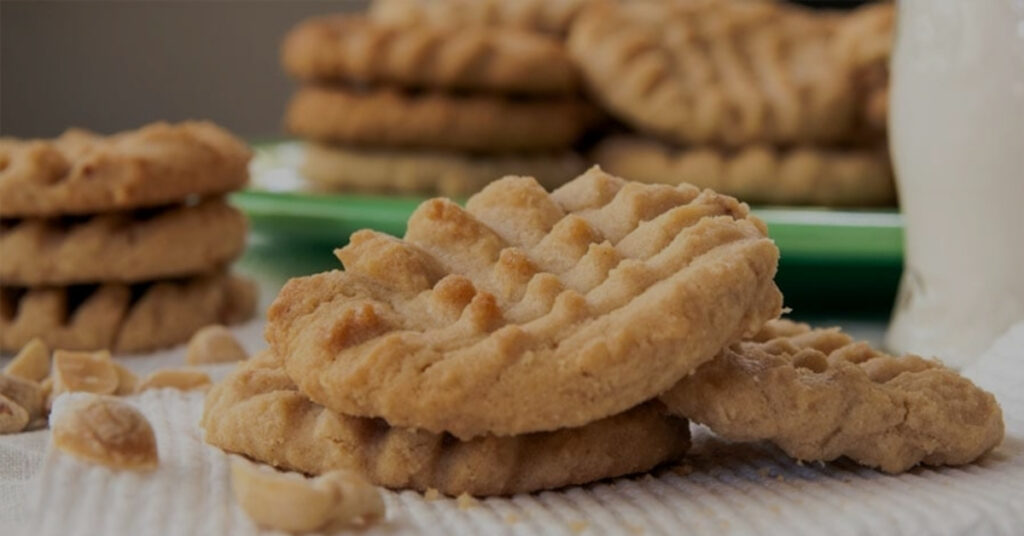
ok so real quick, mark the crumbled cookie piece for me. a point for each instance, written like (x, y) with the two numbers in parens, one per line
(183, 379)
(818, 395)
(90, 372)
(294, 503)
(32, 362)
(431, 494)
(127, 381)
(106, 431)
(24, 393)
(13, 417)
(214, 344)
(578, 526)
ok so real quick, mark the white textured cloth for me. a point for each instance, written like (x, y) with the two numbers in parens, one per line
(727, 489)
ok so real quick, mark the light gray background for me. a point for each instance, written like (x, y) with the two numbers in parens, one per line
(112, 65)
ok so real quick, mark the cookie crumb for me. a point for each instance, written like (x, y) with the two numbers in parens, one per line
(466, 501)
(511, 519)
(578, 526)
(431, 494)
(635, 529)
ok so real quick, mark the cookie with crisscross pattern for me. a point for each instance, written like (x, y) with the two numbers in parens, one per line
(528, 311)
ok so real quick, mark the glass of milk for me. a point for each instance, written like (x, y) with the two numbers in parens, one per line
(957, 137)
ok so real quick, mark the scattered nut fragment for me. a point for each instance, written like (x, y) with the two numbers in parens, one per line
(291, 502)
(214, 344)
(46, 391)
(32, 363)
(127, 381)
(24, 393)
(90, 372)
(104, 430)
(184, 379)
(431, 494)
(13, 418)
(466, 501)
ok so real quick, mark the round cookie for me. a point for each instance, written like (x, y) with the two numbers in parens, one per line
(349, 48)
(121, 246)
(547, 16)
(339, 168)
(472, 123)
(82, 173)
(122, 318)
(758, 173)
(716, 72)
(528, 311)
(256, 411)
(818, 396)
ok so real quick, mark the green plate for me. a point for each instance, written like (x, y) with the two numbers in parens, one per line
(827, 255)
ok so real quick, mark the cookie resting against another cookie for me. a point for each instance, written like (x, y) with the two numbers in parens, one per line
(819, 396)
(84, 173)
(257, 411)
(353, 49)
(528, 311)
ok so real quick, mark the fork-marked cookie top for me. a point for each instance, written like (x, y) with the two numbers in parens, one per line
(528, 311)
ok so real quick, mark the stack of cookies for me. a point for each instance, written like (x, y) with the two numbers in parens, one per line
(773, 103)
(535, 340)
(120, 242)
(431, 108)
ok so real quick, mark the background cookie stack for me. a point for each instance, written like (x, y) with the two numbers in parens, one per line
(766, 101)
(120, 242)
(390, 106)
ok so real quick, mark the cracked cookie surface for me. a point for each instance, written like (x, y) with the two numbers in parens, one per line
(257, 411)
(528, 311)
(819, 396)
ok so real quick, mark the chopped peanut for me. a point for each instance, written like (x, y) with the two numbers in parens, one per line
(184, 379)
(214, 344)
(32, 363)
(107, 431)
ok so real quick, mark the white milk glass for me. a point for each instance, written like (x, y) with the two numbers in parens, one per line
(957, 135)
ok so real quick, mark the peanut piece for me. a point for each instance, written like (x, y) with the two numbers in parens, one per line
(90, 372)
(106, 431)
(32, 363)
(291, 502)
(214, 344)
(46, 390)
(184, 379)
(127, 381)
(24, 393)
(13, 418)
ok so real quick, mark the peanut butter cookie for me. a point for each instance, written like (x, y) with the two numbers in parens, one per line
(121, 246)
(350, 48)
(818, 395)
(123, 318)
(81, 172)
(758, 173)
(258, 412)
(528, 311)
(472, 123)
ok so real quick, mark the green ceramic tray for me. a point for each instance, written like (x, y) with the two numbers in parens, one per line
(827, 255)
